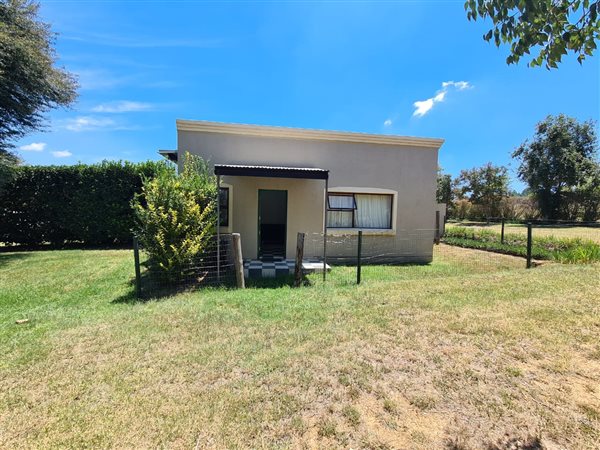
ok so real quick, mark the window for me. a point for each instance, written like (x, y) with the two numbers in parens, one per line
(359, 211)
(224, 206)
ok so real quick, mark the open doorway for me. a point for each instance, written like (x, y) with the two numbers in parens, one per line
(272, 223)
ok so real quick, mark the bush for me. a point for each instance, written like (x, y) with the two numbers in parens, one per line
(176, 216)
(519, 208)
(86, 204)
(564, 250)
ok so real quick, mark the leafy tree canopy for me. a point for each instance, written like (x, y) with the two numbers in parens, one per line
(554, 26)
(30, 84)
(484, 186)
(444, 192)
(561, 168)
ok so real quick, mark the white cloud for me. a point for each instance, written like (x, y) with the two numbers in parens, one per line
(460, 85)
(422, 107)
(88, 123)
(95, 123)
(34, 147)
(387, 123)
(122, 107)
(439, 97)
(62, 154)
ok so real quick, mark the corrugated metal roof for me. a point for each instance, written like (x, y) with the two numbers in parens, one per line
(271, 171)
(171, 155)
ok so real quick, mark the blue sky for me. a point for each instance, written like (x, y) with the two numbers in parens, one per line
(356, 66)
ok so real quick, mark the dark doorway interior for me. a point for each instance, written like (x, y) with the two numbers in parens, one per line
(272, 223)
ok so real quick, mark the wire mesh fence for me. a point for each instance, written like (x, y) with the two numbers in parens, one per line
(463, 248)
(345, 259)
(360, 257)
(546, 240)
(213, 267)
(542, 228)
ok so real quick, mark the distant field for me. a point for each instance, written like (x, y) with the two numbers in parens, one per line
(559, 231)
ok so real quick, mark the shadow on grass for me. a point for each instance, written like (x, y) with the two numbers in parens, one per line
(7, 258)
(151, 290)
(270, 283)
(162, 292)
(129, 298)
(474, 224)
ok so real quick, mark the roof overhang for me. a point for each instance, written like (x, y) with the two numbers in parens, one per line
(306, 134)
(271, 171)
(171, 155)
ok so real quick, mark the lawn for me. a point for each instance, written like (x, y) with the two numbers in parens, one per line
(451, 355)
(559, 231)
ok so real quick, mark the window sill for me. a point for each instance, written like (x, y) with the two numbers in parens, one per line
(365, 231)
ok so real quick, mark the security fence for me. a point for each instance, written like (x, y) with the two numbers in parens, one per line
(545, 240)
(343, 259)
(461, 248)
(216, 266)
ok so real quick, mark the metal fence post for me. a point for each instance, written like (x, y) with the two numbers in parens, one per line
(218, 227)
(502, 232)
(238, 261)
(138, 276)
(299, 257)
(529, 243)
(358, 261)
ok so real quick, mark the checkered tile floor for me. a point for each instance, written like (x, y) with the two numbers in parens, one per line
(270, 267)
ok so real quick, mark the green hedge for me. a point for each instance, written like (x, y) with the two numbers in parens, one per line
(564, 250)
(85, 204)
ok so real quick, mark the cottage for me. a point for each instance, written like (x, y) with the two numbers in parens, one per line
(276, 182)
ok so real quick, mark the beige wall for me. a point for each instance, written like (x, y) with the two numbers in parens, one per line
(303, 196)
(410, 171)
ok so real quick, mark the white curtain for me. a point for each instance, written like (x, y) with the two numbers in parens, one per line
(373, 211)
(341, 201)
(339, 219)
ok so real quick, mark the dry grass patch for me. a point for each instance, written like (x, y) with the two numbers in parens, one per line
(558, 231)
(501, 359)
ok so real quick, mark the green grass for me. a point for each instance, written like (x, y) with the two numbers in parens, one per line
(564, 250)
(454, 351)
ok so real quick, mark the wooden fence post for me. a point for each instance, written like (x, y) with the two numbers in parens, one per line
(529, 244)
(358, 261)
(138, 276)
(436, 237)
(299, 258)
(238, 261)
(502, 232)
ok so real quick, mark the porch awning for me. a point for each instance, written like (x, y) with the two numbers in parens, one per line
(271, 171)
(171, 155)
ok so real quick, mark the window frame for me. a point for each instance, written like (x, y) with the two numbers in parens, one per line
(355, 208)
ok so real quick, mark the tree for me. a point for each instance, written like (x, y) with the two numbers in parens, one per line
(554, 26)
(444, 192)
(561, 168)
(176, 216)
(8, 163)
(30, 84)
(485, 187)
